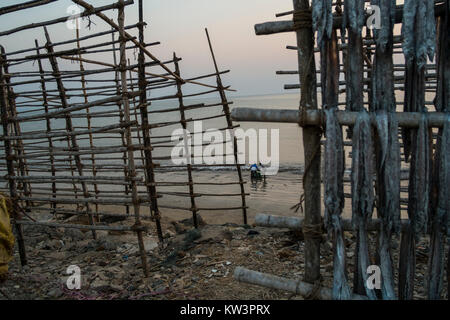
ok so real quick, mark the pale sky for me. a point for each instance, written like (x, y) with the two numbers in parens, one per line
(179, 26)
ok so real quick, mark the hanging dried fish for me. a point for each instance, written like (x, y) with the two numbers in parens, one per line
(419, 42)
(382, 85)
(388, 194)
(354, 20)
(439, 213)
(419, 31)
(334, 201)
(440, 194)
(329, 61)
(407, 264)
(322, 16)
(419, 181)
(443, 62)
(418, 200)
(383, 36)
(362, 198)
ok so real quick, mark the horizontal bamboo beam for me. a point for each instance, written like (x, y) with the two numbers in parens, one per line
(274, 27)
(64, 19)
(296, 223)
(316, 117)
(297, 287)
(22, 6)
(80, 226)
(35, 136)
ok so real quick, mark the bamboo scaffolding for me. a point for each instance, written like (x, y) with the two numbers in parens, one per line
(150, 175)
(9, 160)
(226, 110)
(86, 100)
(187, 146)
(126, 107)
(69, 126)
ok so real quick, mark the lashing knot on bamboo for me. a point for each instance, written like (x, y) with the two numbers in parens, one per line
(312, 231)
(314, 294)
(302, 19)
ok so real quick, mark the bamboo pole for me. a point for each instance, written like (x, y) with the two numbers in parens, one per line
(18, 146)
(47, 122)
(316, 117)
(86, 13)
(297, 287)
(126, 107)
(288, 25)
(69, 126)
(226, 110)
(7, 128)
(22, 6)
(121, 117)
(187, 147)
(88, 117)
(311, 141)
(150, 174)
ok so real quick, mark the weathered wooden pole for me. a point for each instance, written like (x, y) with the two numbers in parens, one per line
(143, 108)
(73, 145)
(226, 110)
(88, 116)
(48, 125)
(311, 140)
(7, 128)
(128, 136)
(194, 208)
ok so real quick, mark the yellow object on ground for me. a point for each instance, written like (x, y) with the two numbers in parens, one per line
(6, 236)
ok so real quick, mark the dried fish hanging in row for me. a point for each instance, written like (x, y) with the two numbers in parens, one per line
(440, 196)
(388, 195)
(362, 199)
(334, 201)
(353, 20)
(382, 101)
(419, 38)
(322, 17)
(419, 34)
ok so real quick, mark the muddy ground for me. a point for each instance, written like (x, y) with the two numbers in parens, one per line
(191, 264)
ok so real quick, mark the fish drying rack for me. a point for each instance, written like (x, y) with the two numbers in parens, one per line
(400, 151)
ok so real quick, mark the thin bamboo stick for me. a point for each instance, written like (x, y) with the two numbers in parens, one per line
(187, 147)
(69, 126)
(126, 105)
(150, 174)
(226, 110)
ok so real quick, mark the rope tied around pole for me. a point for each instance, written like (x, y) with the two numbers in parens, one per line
(314, 294)
(312, 231)
(302, 19)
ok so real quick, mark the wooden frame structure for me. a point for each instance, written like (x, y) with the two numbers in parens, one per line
(85, 140)
(376, 69)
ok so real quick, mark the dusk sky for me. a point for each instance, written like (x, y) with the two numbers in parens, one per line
(179, 26)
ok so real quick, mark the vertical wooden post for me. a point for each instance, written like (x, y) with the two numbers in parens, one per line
(145, 127)
(88, 116)
(48, 125)
(128, 137)
(7, 128)
(119, 106)
(69, 126)
(311, 142)
(18, 145)
(188, 154)
(226, 110)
